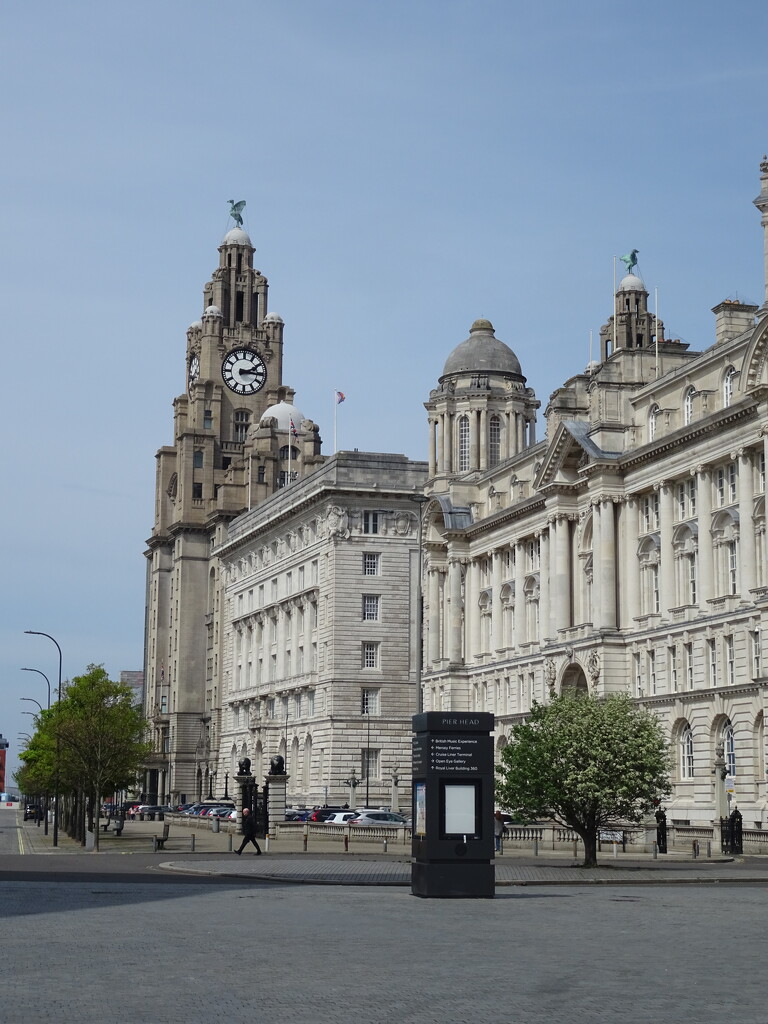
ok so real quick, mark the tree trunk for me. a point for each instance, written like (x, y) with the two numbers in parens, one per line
(589, 838)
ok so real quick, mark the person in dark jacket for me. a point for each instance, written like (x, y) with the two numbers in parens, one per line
(249, 832)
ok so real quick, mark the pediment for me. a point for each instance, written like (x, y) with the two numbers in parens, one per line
(570, 451)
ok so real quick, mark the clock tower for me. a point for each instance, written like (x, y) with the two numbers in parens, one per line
(226, 457)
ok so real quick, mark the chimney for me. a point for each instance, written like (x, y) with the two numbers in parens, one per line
(733, 318)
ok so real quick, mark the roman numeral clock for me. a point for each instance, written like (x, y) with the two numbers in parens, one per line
(243, 371)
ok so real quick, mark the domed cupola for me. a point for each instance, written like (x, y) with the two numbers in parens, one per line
(287, 416)
(483, 352)
(236, 236)
(481, 413)
(632, 326)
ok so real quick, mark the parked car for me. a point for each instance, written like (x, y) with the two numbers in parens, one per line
(379, 818)
(151, 811)
(323, 813)
(340, 817)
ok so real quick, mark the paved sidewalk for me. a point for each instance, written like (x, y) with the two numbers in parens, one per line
(326, 863)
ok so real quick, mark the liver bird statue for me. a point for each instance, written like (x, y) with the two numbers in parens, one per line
(235, 211)
(630, 260)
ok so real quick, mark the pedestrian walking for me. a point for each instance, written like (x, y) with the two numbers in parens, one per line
(498, 830)
(249, 833)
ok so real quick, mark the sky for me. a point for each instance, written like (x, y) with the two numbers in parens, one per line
(408, 167)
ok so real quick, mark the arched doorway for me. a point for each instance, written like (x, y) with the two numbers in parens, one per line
(574, 679)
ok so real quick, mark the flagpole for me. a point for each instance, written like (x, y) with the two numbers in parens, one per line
(614, 304)
(656, 332)
(335, 410)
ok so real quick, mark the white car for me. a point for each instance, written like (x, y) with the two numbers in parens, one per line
(340, 817)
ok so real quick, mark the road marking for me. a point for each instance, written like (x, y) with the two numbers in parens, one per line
(20, 834)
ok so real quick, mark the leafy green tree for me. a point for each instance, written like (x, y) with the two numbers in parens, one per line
(91, 740)
(586, 762)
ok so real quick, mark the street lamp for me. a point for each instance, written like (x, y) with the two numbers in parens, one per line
(45, 677)
(353, 782)
(395, 782)
(35, 632)
(421, 500)
(32, 701)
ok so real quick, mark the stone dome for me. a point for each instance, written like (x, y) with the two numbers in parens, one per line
(482, 352)
(632, 283)
(237, 237)
(284, 413)
(212, 311)
(273, 318)
(195, 325)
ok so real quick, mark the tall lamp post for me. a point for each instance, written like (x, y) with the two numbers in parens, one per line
(353, 782)
(45, 677)
(421, 500)
(35, 632)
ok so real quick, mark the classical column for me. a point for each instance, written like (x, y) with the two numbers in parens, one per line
(519, 613)
(597, 578)
(630, 532)
(762, 204)
(454, 590)
(562, 600)
(746, 526)
(520, 431)
(532, 430)
(706, 556)
(432, 447)
(509, 436)
(667, 554)
(434, 616)
(544, 588)
(607, 565)
(472, 610)
(497, 640)
(473, 447)
(447, 443)
(483, 440)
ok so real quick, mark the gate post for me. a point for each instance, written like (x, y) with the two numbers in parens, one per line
(276, 787)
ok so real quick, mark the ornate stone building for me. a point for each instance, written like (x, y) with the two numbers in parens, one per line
(625, 551)
(296, 650)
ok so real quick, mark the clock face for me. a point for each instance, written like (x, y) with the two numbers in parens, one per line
(194, 369)
(243, 371)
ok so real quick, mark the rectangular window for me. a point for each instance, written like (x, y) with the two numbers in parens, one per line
(370, 654)
(369, 702)
(689, 666)
(730, 663)
(241, 425)
(655, 600)
(369, 763)
(652, 672)
(720, 486)
(271, 707)
(370, 564)
(197, 492)
(732, 566)
(371, 607)
(712, 654)
(673, 669)
(638, 677)
(297, 706)
(755, 653)
(692, 588)
(682, 501)
(164, 704)
(207, 419)
(370, 522)
(731, 482)
(692, 497)
(761, 470)
(310, 703)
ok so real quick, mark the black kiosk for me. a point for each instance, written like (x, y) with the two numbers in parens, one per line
(453, 799)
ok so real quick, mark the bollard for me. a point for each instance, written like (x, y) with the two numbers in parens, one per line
(192, 843)
(535, 847)
(229, 843)
(346, 842)
(306, 836)
(709, 849)
(575, 849)
(694, 848)
(615, 850)
(385, 846)
(655, 851)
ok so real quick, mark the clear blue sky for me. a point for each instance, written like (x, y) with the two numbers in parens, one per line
(408, 167)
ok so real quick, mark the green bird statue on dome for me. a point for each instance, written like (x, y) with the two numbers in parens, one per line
(235, 211)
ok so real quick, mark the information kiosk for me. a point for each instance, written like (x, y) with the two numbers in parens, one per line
(453, 800)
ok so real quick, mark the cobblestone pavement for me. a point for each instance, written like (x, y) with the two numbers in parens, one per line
(177, 954)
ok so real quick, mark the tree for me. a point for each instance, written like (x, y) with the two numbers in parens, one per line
(586, 762)
(91, 739)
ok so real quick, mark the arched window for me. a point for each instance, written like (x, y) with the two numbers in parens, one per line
(686, 752)
(289, 451)
(494, 441)
(463, 444)
(688, 397)
(653, 421)
(729, 748)
(729, 380)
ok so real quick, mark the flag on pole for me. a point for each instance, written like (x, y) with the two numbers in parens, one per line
(340, 396)
(294, 432)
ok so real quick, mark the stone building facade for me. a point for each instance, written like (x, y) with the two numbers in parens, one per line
(625, 551)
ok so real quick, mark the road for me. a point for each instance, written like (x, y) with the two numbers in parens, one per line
(111, 938)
